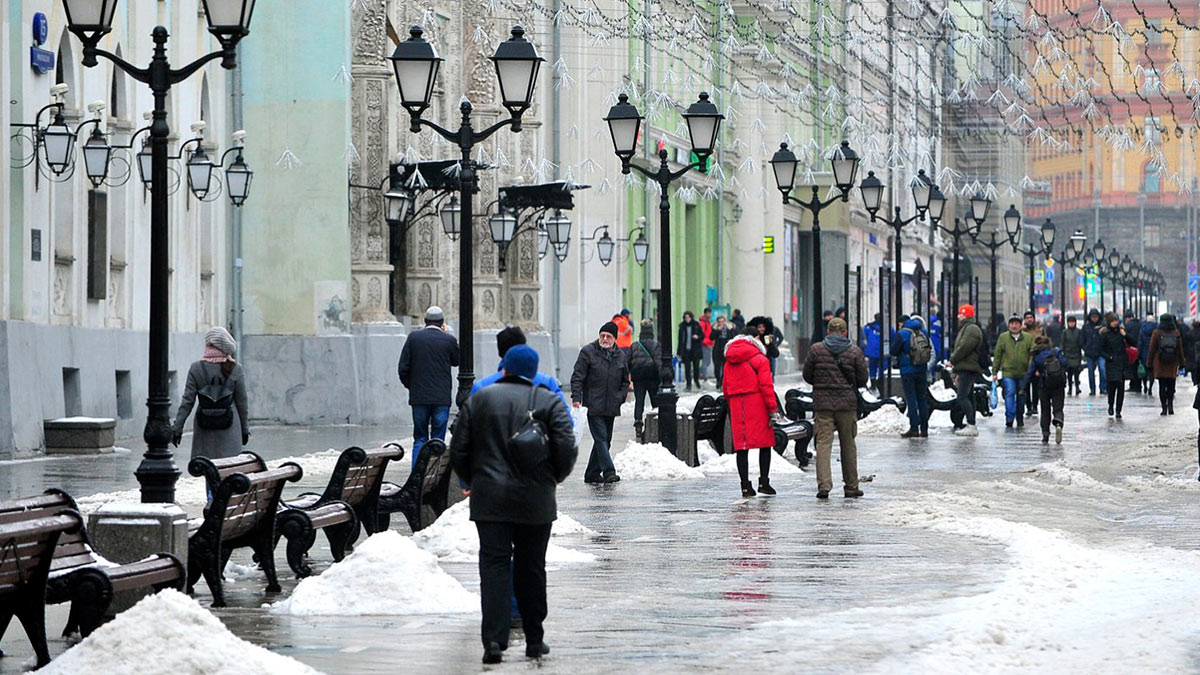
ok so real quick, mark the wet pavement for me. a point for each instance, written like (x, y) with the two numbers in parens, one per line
(690, 577)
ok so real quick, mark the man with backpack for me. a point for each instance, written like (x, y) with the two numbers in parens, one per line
(914, 351)
(645, 369)
(1009, 363)
(1049, 365)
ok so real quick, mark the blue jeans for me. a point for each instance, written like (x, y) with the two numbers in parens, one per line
(1014, 402)
(429, 421)
(1093, 364)
(916, 398)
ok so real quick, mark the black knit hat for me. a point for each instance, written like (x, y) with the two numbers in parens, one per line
(610, 328)
(508, 338)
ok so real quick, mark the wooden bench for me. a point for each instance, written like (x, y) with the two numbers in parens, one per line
(27, 546)
(423, 497)
(241, 514)
(350, 498)
(215, 470)
(78, 576)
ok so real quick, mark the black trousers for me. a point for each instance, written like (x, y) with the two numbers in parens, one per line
(512, 561)
(964, 387)
(718, 369)
(641, 392)
(1116, 394)
(1166, 391)
(1052, 406)
(691, 369)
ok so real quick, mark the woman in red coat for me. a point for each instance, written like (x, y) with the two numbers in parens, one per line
(750, 393)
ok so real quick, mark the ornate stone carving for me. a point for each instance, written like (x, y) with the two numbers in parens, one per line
(370, 44)
(528, 308)
(424, 297)
(488, 303)
(486, 252)
(355, 291)
(374, 292)
(426, 251)
(527, 266)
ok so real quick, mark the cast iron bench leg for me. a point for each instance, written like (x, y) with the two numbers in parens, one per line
(339, 537)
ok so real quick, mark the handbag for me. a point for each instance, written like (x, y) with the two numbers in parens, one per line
(1131, 353)
(993, 398)
(529, 446)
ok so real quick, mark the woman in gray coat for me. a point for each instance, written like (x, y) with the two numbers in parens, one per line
(221, 378)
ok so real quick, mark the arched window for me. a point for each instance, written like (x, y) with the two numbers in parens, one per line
(64, 68)
(1150, 179)
(118, 103)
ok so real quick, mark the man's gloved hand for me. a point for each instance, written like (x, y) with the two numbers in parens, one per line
(245, 437)
(178, 436)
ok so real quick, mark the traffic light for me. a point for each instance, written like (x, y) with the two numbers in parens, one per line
(769, 244)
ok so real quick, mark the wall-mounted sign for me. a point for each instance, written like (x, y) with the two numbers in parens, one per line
(41, 60)
(35, 245)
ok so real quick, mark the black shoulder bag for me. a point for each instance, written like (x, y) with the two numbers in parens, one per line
(529, 446)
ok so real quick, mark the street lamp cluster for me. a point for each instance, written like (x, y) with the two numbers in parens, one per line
(90, 21)
(1121, 271)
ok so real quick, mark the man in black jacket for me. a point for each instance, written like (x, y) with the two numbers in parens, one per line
(424, 370)
(513, 495)
(600, 383)
(1091, 352)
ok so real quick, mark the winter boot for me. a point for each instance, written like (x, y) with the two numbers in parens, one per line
(1171, 407)
(764, 487)
(851, 494)
(924, 431)
(1164, 410)
(747, 489)
(492, 653)
(913, 432)
(1045, 437)
(1058, 426)
(638, 431)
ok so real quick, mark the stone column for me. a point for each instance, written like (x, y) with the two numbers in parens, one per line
(370, 106)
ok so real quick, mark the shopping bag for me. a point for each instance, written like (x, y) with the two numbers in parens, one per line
(579, 420)
(993, 399)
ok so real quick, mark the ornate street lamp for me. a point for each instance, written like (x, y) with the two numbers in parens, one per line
(1012, 227)
(604, 249)
(451, 218)
(229, 21)
(237, 180)
(703, 123)
(872, 195)
(96, 153)
(1048, 232)
(416, 66)
(845, 167)
(921, 189)
(199, 172)
(641, 249)
(58, 144)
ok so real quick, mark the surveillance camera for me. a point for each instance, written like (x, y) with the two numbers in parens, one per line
(198, 127)
(239, 135)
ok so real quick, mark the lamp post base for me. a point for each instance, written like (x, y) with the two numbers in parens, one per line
(667, 400)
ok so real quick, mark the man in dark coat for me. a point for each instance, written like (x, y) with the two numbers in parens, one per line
(738, 320)
(836, 369)
(1091, 352)
(689, 347)
(646, 371)
(424, 369)
(513, 495)
(1149, 324)
(722, 333)
(600, 383)
(1072, 347)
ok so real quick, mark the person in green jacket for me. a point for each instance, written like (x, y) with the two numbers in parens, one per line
(1010, 360)
(1072, 347)
(967, 370)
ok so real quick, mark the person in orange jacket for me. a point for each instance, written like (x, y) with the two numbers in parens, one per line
(624, 331)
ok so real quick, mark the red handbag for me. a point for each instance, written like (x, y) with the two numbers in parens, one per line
(1131, 353)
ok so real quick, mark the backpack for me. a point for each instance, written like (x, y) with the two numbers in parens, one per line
(919, 350)
(642, 366)
(1054, 376)
(984, 353)
(1168, 348)
(215, 411)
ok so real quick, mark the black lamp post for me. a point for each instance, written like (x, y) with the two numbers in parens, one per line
(1072, 254)
(845, 168)
(1012, 229)
(1112, 268)
(1033, 252)
(624, 123)
(1098, 263)
(961, 228)
(229, 22)
(416, 65)
(1126, 267)
(872, 194)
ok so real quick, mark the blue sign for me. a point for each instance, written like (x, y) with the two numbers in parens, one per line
(42, 60)
(41, 28)
(1193, 282)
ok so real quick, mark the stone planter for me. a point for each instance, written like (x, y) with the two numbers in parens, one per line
(79, 435)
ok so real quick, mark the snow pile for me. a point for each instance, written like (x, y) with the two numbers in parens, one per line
(705, 452)
(237, 572)
(728, 464)
(1060, 474)
(652, 462)
(386, 574)
(165, 634)
(453, 538)
(884, 422)
(566, 526)
(1059, 606)
(940, 392)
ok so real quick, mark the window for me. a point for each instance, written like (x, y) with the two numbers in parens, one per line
(1150, 182)
(1152, 236)
(1153, 83)
(97, 246)
(1152, 124)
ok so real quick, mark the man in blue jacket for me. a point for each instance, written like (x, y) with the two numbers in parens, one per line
(424, 369)
(914, 351)
(1091, 352)
(873, 339)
